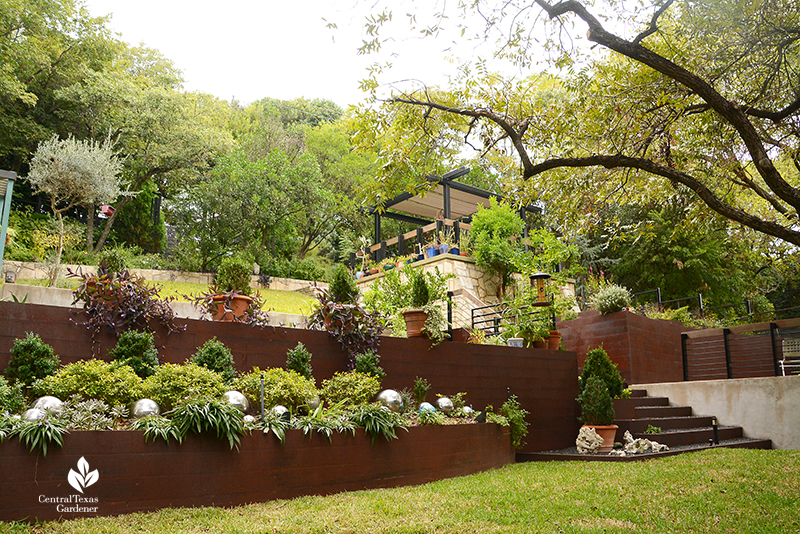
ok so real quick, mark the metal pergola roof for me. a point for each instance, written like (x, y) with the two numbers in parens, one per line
(439, 197)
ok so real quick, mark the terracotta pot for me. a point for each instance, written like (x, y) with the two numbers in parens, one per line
(465, 254)
(608, 433)
(373, 271)
(539, 344)
(415, 320)
(554, 340)
(238, 307)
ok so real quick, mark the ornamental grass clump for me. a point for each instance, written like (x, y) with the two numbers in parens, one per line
(611, 298)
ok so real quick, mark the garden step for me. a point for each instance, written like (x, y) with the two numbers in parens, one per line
(692, 436)
(650, 401)
(746, 443)
(665, 423)
(645, 412)
(638, 393)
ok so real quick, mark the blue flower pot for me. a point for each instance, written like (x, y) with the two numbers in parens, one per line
(431, 252)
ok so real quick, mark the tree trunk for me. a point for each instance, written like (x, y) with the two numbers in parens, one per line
(109, 222)
(56, 266)
(90, 228)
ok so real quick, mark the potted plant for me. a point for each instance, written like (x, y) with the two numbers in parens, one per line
(597, 411)
(338, 312)
(230, 298)
(406, 293)
(416, 316)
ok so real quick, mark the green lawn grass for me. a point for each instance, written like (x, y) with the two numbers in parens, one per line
(721, 490)
(279, 301)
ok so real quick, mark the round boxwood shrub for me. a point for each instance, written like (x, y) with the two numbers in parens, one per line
(352, 387)
(31, 359)
(172, 383)
(287, 388)
(112, 383)
(113, 259)
(138, 351)
(11, 398)
(298, 359)
(214, 355)
(600, 365)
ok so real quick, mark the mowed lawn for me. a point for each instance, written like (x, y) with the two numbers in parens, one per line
(722, 490)
(279, 301)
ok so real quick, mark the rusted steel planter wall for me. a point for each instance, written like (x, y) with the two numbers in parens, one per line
(646, 351)
(544, 381)
(137, 476)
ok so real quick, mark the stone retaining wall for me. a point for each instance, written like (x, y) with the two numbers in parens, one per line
(37, 271)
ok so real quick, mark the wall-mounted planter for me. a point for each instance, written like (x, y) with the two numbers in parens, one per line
(135, 476)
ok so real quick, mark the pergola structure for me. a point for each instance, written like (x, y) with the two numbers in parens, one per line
(440, 198)
(438, 203)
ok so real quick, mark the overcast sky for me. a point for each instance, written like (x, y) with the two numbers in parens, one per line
(251, 49)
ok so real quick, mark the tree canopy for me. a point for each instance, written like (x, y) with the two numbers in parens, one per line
(679, 96)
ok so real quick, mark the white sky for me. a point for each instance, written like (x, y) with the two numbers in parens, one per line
(251, 49)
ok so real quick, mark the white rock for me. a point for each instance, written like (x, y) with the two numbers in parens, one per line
(588, 440)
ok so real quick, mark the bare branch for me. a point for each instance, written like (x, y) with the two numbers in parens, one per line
(653, 22)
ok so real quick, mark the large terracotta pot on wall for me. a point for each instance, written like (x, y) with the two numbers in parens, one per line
(415, 321)
(238, 307)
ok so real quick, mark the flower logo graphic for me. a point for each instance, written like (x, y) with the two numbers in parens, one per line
(83, 478)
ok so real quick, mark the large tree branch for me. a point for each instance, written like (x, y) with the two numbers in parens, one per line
(675, 176)
(729, 111)
(513, 134)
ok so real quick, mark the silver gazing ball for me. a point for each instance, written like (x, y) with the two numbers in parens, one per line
(468, 411)
(426, 407)
(281, 411)
(48, 403)
(391, 399)
(313, 402)
(249, 419)
(444, 404)
(144, 407)
(33, 414)
(234, 398)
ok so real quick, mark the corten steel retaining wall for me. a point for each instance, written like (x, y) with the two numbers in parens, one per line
(137, 476)
(645, 350)
(544, 381)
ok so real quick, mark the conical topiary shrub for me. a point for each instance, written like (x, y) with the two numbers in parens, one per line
(600, 365)
(596, 405)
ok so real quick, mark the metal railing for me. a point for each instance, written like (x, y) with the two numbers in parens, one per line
(490, 318)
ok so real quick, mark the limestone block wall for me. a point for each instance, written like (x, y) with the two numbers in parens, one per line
(472, 288)
(32, 270)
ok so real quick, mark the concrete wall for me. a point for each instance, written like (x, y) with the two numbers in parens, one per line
(763, 407)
